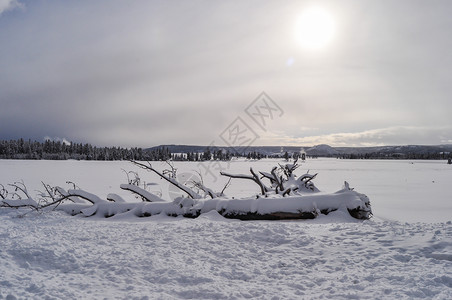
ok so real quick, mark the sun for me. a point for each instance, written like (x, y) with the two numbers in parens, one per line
(314, 28)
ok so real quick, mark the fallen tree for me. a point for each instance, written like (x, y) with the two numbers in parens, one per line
(282, 195)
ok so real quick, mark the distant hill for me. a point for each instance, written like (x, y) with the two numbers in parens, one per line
(402, 150)
(322, 150)
(409, 151)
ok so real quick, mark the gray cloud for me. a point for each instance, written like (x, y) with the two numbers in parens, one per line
(6, 5)
(402, 135)
(152, 72)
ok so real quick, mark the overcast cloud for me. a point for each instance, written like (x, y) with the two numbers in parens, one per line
(144, 73)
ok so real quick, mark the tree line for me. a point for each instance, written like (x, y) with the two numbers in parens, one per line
(219, 154)
(410, 155)
(215, 154)
(57, 150)
(208, 154)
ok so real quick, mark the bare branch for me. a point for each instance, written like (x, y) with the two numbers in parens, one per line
(192, 194)
(74, 186)
(135, 181)
(268, 176)
(200, 186)
(172, 172)
(278, 179)
(50, 191)
(254, 178)
(20, 185)
(75, 193)
(264, 189)
(57, 202)
(226, 186)
(20, 204)
(286, 192)
(306, 178)
(239, 176)
(3, 191)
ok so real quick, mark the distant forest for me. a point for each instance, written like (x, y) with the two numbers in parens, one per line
(56, 150)
(409, 155)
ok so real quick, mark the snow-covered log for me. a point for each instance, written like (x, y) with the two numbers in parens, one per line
(291, 207)
(261, 208)
(287, 197)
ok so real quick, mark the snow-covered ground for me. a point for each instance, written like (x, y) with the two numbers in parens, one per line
(404, 252)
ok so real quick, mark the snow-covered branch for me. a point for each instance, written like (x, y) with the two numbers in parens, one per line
(18, 203)
(192, 194)
(145, 195)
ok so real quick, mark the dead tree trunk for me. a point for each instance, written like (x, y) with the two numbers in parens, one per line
(287, 197)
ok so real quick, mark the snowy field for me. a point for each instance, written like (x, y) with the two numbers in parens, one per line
(404, 251)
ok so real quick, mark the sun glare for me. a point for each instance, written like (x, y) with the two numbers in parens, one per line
(314, 28)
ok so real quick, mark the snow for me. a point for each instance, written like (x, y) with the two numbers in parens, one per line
(141, 192)
(86, 195)
(57, 256)
(293, 204)
(115, 198)
(404, 252)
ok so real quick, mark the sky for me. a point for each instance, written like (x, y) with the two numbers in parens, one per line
(146, 73)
